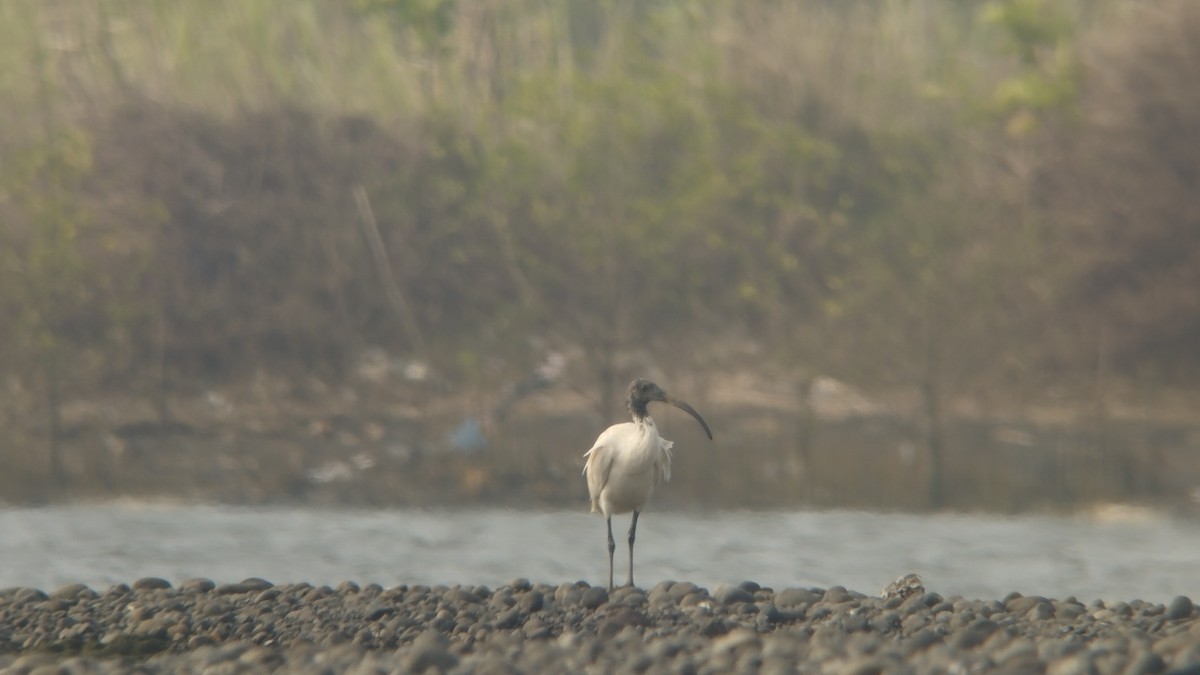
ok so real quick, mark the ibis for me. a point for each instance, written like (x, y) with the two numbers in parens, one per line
(628, 460)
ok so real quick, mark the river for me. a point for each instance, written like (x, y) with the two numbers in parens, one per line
(1143, 555)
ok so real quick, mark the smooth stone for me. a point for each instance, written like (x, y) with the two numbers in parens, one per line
(819, 611)
(1023, 603)
(770, 611)
(713, 627)
(1180, 608)
(1042, 611)
(659, 599)
(154, 627)
(460, 597)
(313, 594)
(941, 607)
(794, 597)
(117, 591)
(567, 595)
(914, 622)
(140, 612)
(71, 591)
(728, 595)
(532, 601)
(535, 630)
(1069, 611)
(627, 595)
(750, 586)
(886, 622)
(197, 585)
(594, 597)
(378, 611)
(836, 595)
(794, 615)
(627, 616)
(510, 619)
(976, 634)
(446, 622)
(29, 595)
(151, 584)
(933, 600)
(250, 585)
(682, 589)
(213, 608)
(198, 641)
(854, 623)
(923, 639)
(993, 607)
(501, 599)
(54, 605)
(697, 599)
(664, 585)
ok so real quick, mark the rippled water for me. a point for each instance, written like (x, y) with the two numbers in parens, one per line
(978, 556)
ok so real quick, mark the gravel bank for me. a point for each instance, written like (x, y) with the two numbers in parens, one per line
(675, 627)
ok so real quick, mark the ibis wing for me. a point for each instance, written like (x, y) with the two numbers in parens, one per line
(597, 468)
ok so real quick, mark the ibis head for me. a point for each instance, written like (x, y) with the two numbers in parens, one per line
(643, 391)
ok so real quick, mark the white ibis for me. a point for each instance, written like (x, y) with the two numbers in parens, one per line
(628, 460)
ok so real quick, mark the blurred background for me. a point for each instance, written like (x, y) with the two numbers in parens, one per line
(907, 255)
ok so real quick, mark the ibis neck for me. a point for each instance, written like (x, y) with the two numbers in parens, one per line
(638, 410)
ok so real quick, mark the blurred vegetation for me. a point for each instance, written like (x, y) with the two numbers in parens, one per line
(985, 205)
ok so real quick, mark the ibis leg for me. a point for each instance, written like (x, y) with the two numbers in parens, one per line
(632, 534)
(612, 546)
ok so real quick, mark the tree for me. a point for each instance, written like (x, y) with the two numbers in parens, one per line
(51, 285)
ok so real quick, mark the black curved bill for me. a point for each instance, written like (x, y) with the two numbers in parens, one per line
(682, 405)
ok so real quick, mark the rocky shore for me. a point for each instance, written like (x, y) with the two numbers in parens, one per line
(200, 626)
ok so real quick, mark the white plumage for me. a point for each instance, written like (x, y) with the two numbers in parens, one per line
(625, 465)
(628, 460)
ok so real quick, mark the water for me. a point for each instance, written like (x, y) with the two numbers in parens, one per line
(977, 556)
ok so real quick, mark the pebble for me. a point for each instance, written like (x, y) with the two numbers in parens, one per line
(728, 595)
(151, 584)
(594, 597)
(795, 597)
(150, 626)
(71, 591)
(1180, 608)
(246, 586)
(197, 585)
